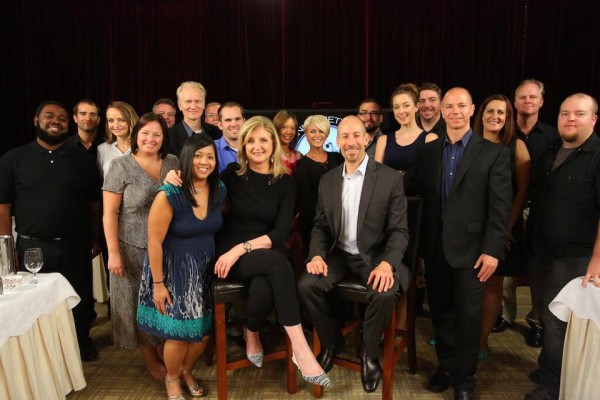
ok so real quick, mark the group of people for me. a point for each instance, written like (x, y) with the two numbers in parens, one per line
(217, 195)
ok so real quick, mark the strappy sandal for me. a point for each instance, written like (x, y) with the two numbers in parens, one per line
(195, 389)
(175, 396)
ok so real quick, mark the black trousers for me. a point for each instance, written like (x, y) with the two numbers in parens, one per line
(555, 274)
(272, 283)
(72, 257)
(455, 297)
(313, 290)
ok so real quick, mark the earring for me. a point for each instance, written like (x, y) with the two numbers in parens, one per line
(271, 160)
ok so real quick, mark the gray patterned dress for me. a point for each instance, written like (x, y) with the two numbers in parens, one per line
(125, 176)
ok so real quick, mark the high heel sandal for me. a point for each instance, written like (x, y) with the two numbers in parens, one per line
(195, 389)
(175, 396)
(322, 379)
(256, 359)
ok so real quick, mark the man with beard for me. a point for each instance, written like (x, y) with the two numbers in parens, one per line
(430, 116)
(563, 225)
(370, 114)
(54, 192)
(86, 115)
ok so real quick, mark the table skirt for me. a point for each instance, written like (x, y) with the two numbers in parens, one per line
(45, 361)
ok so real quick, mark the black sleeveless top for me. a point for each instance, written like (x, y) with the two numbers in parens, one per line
(401, 158)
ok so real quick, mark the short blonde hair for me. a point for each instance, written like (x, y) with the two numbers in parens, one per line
(278, 168)
(320, 121)
(191, 84)
(535, 82)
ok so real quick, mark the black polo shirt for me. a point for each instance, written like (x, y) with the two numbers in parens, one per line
(565, 211)
(439, 128)
(539, 139)
(75, 141)
(50, 191)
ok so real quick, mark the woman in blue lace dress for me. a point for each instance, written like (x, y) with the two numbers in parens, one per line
(174, 300)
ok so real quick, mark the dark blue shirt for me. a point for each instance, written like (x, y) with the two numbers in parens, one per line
(451, 156)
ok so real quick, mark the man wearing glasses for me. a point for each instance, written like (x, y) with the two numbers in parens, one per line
(370, 114)
(166, 109)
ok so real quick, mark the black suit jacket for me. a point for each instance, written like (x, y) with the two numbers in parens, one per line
(475, 218)
(382, 231)
(178, 136)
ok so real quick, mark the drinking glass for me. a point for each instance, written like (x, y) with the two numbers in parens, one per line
(33, 260)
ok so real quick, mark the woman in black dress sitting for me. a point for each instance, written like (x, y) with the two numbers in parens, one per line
(261, 200)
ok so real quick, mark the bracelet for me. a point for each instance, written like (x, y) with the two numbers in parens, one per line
(156, 283)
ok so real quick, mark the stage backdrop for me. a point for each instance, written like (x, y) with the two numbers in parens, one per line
(269, 54)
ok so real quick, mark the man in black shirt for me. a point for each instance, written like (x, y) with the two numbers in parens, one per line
(563, 224)
(86, 115)
(537, 135)
(54, 192)
(369, 112)
(430, 115)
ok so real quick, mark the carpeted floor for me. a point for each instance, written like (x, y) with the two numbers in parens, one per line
(119, 374)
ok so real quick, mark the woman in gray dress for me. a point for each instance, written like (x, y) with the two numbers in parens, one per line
(129, 188)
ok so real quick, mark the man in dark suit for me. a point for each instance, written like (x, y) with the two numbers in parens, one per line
(191, 97)
(465, 182)
(359, 228)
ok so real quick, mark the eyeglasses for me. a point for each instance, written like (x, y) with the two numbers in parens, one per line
(369, 113)
(167, 114)
(211, 115)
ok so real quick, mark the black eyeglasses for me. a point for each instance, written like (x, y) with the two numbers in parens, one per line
(369, 113)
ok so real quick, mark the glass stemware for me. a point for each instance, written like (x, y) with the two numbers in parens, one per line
(33, 260)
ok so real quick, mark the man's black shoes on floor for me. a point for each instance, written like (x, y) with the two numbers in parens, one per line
(370, 372)
(439, 382)
(463, 395)
(327, 355)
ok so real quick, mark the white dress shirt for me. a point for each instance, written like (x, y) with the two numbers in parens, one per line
(351, 191)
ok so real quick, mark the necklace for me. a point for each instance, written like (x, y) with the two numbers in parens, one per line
(199, 190)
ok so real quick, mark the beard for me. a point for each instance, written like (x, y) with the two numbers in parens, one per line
(372, 129)
(51, 140)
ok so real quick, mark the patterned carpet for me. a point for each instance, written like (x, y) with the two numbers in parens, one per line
(119, 374)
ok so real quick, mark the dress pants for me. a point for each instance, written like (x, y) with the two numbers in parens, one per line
(555, 274)
(72, 257)
(455, 297)
(272, 283)
(313, 290)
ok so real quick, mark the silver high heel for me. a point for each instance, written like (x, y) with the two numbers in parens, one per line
(322, 379)
(175, 396)
(256, 359)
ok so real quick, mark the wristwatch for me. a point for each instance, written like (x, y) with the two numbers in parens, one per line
(247, 246)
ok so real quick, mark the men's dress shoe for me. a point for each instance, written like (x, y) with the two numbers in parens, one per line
(88, 352)
(535, 337)
(439, 382)
(370, 372)
(535, 376)
(463, 395)
(327, 355)
(501, 325)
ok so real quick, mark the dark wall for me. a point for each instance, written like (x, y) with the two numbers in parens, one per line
(287, 53)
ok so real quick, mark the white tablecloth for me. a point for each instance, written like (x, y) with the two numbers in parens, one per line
(580, 307)
(39, 355)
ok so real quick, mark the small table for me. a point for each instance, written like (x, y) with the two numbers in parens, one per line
(39, 354)
(580, 307)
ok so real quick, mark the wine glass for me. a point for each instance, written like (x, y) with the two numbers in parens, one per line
(33, 260)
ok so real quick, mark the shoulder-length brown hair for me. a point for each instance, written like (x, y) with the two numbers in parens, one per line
(278, 168)
(143, 121)
(507, 133)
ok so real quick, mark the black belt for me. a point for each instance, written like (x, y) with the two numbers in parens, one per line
(39, 238)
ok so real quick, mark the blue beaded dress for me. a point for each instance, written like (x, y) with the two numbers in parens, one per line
(188, 259)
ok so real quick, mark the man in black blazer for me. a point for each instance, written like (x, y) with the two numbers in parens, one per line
(465, 182)
(191, 97)
(360, 228)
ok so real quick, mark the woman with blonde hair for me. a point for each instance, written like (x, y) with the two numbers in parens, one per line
(120, 120)
(260, 193)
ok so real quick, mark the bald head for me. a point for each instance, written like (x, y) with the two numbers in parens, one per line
(457, 109)
(352, 140)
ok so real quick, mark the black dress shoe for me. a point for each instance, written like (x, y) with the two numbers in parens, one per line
(500, 325)
(327, 355)
(463, 395)
(370, 372)
(439, 382)
(535, 376)
(535, 337)
(88, 352)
